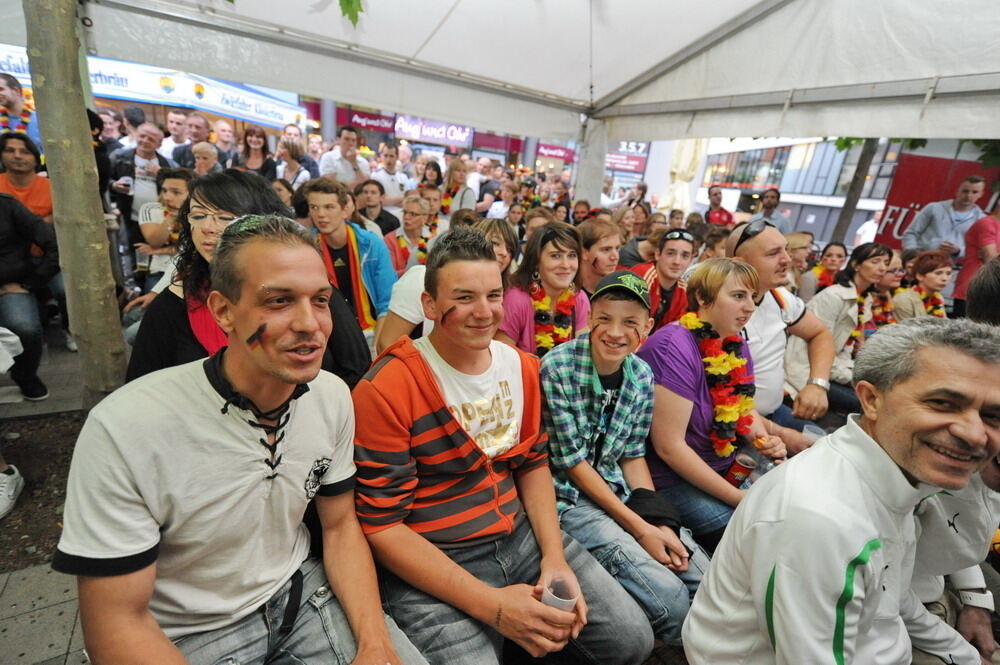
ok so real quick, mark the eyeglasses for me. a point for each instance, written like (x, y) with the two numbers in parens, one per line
(753, 229)
(409, 213)
(896, 271)
(200, 220)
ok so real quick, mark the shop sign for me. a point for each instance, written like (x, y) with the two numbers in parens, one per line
(556, 152)
(365, 120)
(419, 129)
(616, 161)
(143, 83)
(920, 180)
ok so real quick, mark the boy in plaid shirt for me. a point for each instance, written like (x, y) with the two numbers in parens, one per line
(597, 412)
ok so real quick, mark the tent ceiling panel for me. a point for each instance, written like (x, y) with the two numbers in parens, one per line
(948, 117)
(817, 43)
(164, 42)
(535, 45)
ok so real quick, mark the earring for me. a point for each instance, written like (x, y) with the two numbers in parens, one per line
(535, 276)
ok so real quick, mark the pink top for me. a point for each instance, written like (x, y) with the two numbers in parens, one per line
(519, 317)
(984, 232)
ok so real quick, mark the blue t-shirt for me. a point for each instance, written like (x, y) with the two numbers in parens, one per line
(672, 353)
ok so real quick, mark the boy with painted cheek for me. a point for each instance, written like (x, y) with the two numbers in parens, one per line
(597, 412)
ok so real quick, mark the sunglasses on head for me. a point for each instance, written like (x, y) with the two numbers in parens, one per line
(752, 230)
(679, 234)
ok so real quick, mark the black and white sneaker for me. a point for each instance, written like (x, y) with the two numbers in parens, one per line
(34, 390)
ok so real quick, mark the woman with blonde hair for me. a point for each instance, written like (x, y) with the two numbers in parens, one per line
(700, 416)
(290, 152)
(456, 195)
(624, 217)
(799, 248)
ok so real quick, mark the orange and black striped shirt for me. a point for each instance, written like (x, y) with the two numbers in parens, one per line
(418, 466)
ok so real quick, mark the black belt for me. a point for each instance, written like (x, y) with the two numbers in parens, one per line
(291, 607)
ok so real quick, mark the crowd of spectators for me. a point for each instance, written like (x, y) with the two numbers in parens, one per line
(576, 428)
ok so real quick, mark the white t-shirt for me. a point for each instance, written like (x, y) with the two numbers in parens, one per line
(167, 147)
(152, 213)
(165, 471)
(498, 210)
(766, 338)
(488, 406)
(341, 169)
(405, 300)
(300, 177)
(144, 184)
(395, 186)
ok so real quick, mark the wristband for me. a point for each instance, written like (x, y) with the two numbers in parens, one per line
(822, 383)
(983, 600)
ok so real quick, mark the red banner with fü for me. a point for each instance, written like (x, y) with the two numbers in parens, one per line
(920, 180)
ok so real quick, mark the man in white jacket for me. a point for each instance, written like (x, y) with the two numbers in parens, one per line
(815, 565)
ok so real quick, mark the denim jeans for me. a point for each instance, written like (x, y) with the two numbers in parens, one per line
(783, 416)
(616, 630)
(19, 314)
(320, 634)
(664, 595)
(843, 398)
(700, 512)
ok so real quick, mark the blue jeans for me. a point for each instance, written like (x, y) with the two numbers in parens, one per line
(700, 512)
(783, 416)
(616, 632)
(843, 398)
(664, 595)
(320, 634)
(19, 314)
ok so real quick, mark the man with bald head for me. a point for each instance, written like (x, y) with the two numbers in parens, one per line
(780, 313)
(133, 176)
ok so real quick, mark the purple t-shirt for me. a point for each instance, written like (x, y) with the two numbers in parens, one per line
(519, 317)
(672, 353)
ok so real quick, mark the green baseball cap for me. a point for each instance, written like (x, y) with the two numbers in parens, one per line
(626, 280)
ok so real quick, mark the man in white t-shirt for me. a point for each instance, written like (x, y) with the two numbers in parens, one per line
(393, 180)
(177, 128)
(347, 166)
(779, 314)
(451, 460)
(133, 177)
(188, 487)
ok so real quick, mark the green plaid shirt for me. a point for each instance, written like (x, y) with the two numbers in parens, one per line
(571, 414)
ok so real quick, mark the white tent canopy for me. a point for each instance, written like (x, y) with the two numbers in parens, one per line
(649, 69)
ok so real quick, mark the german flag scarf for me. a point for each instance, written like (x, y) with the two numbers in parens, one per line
(360, 297)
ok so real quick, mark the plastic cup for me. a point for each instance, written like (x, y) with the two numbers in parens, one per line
(560, 593)
(813, 432)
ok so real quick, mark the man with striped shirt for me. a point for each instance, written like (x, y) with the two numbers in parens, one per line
(455, 493)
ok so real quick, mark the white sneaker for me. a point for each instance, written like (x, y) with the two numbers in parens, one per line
(10, 488)
(70, 341)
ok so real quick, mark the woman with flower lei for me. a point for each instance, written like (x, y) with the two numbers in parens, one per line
(824, 273)
(845, 309)
(882, 309)
(456, 194)
(408, 245)
(932, 271)
(545, 305)
(703, 398)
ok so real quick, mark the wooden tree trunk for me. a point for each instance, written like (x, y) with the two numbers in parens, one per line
(53, 49)
(854, 191)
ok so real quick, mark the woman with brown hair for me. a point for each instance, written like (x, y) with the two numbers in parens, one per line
(254, 154)
(545, 305)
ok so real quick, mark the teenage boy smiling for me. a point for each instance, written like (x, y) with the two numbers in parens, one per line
(597, 413)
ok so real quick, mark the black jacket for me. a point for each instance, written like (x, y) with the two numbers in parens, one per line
(19, 229)
(123, 164)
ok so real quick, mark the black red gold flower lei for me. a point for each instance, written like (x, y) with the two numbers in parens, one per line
(22, 122)
(730, 385)
(551, 329)
(933, 302)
